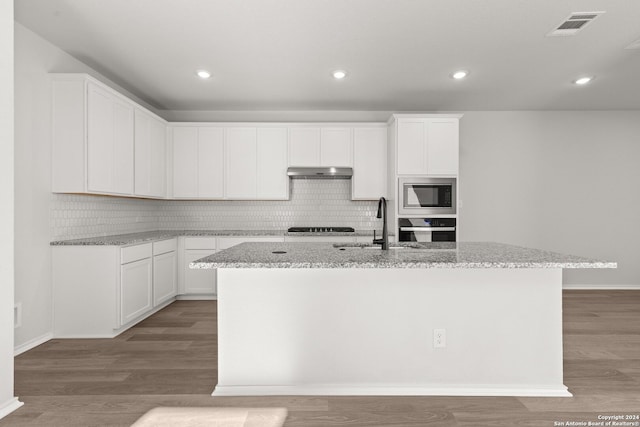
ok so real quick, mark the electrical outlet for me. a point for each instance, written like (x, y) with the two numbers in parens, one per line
(439, 338)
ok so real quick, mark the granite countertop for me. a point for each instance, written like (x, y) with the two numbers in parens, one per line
(427, 255)
(150, 236)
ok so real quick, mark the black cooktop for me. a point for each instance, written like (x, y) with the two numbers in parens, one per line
(321, 230)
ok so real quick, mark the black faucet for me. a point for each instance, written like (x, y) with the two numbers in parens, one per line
(382, 213)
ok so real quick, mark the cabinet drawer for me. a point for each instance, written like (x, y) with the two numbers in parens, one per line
(227, 242)
(135, 253)
(164, 246)
(200, 242)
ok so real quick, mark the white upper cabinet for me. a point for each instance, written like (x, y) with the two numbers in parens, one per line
(94, 147)
(320, 146)
(256, 164)
(185, 162)
(369, 180)
(109, 142)
(211, 163)
(335, 147)
(427, 146)
(241, 171)
(442, 147)
(411, 147)
(304, 146)
(198, 163)
(150, 155)
(273, 182)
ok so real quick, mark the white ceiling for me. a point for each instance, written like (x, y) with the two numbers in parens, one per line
(279, 54)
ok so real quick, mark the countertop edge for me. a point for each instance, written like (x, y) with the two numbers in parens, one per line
(151, 236)
(415, 265)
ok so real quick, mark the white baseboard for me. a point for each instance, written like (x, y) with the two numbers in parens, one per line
(364, 390)
(196, 297)
(32, 343)
(9, 406)
(577, 286)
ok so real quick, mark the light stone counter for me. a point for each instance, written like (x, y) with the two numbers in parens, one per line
(150, 236)
(409, 255)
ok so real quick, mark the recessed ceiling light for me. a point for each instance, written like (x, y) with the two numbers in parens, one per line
(460, 74)
(203, 74)
(583, 80)
(339, 74)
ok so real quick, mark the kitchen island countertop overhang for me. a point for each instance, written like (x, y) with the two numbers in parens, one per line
(472, 319)
(403, 255)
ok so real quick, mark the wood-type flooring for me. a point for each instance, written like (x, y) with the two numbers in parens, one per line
(170, 360)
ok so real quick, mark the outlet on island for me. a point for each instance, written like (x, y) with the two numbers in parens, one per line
(439, 338)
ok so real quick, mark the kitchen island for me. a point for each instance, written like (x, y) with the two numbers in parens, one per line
(475, 319)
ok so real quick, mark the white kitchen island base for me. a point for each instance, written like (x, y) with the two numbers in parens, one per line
(370, 331)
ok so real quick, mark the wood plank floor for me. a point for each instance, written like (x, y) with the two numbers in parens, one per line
(170, 360)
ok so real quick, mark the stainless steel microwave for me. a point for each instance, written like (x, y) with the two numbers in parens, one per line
(426, 196)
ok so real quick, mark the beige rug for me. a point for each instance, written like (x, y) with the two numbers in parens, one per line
(213, 417)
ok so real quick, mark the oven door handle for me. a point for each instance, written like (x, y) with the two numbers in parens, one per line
(427, 229)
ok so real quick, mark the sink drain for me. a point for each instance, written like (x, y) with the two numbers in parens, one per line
(279, 252)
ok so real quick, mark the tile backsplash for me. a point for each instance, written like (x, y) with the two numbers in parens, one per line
(312, 203)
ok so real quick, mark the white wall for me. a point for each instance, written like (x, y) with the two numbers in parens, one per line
(8, 402)
(564, 181)
(34, 59)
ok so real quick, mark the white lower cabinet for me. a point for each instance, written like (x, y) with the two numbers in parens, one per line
(136, 288)
(198, 281)
(165, 271)
(100, 291)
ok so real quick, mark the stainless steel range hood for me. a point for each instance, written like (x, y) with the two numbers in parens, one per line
(320, 173)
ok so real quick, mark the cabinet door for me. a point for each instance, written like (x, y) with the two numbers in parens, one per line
(369, 164)
(165, 277)
(135, 289)
(142, 144)
(442, 147)
(123, 147)
(272, 179)
(411, 147)
(185, 162)
(335, 147)
(304, 146)
(198, 281)
(109, 142)
(211, 163)
(158, 166)
(149, 142)
(241, 164)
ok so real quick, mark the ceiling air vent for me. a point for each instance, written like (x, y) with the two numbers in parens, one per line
(574, 23)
